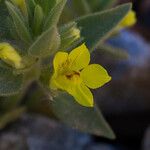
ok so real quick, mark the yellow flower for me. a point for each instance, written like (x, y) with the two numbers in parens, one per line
(21, 4)
(9, 55)
(129, 20)
(73, 74)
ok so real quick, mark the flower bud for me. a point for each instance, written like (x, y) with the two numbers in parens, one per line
(69, 35)
(10, 56)
(129, 20)
(21, 4)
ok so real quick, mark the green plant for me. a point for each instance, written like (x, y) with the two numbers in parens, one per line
(34, 34)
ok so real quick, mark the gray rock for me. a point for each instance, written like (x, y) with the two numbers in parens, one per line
(12, 141)
(128, 92)
(125, 101)
(101, 147)
(39, 133)
(146, 140)
(137, 48)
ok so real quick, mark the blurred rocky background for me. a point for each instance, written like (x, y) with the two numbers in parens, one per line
(128, 108)
(142, 8)
(125, 102)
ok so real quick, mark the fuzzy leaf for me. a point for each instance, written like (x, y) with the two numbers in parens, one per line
(3, 65)
(82, 118)
(47, 5)
(54, 15)
(21, 28)
(81, 7)
(9, 83)
(4, 72)
(96, 27)
(98, 5)
(30, 7)
(38, 19)
(45, 44)
(4, 29)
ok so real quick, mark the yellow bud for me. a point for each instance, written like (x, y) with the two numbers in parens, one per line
(69, 36)
(10, 56)
(21, 4)
(129, 20)
(75, 32)
(17, 2)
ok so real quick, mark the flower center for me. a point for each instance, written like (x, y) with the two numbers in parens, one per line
(74, 77)
(71, 75)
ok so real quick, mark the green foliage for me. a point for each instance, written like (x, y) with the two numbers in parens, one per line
(19, 23)
(10, 84)
(39, 101)
(97, 27)
(4, 72)
(36, 36)
(81, 7)
(85, 119)
(4, 30)
(82, 118)
(38, 19)
(47, 5)
(98, 5)
(45, 45)
(8, 78)
(68, 38)
(30, 8)
(54, 15)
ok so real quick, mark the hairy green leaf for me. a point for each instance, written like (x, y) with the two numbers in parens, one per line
(54, 15)
(85, 119)
(4, 72)
(30, 8)
(47, 5)
(20, 25)
(45, 45)
(9, 83)
(81, 7)
(98, 5)
(4, 29)
(38, 19)
(98, 26)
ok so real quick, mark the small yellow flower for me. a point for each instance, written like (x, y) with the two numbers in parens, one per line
(9, 55)
(73, 74)
(129, 20)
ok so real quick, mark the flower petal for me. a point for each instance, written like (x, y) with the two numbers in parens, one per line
(59, 59)
(82, 95)
(60, 82)
(129, 20)
(79, 57)
(95, 76)
(79, 91)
